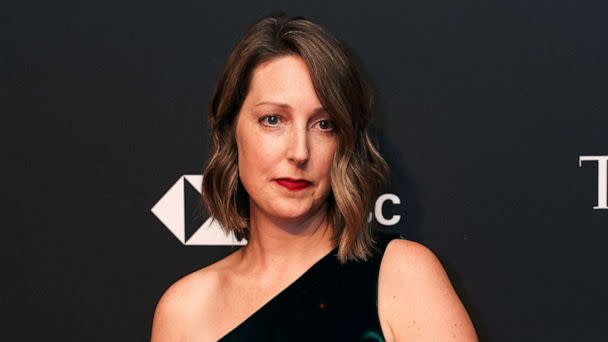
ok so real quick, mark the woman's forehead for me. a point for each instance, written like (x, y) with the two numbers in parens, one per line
(282, 81)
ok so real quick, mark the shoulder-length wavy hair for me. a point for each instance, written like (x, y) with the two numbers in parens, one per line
(358, 171)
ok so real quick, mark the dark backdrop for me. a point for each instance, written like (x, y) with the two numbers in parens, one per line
(484, 110)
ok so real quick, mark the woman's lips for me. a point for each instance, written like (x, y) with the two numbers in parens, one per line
(293, 184)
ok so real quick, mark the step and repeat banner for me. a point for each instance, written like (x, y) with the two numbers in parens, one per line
(493, 117)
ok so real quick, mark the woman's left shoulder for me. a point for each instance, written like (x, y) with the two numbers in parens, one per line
(407, 263)
(401, 252)
(416, 298)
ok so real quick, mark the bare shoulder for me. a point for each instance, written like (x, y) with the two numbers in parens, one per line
(416, 300)
(184, 311)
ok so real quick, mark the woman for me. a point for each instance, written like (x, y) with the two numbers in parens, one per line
(294, 172)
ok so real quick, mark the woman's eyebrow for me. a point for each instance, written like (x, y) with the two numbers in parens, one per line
(287, 106)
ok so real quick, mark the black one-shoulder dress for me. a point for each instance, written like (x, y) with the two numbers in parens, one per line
(329, 302)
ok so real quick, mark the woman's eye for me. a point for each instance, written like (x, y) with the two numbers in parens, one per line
(270, 120)
(326, 125)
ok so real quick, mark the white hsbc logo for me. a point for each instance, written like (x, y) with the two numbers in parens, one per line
(602, 176)
(170, 210)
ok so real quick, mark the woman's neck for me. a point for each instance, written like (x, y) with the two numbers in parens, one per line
(276, 246)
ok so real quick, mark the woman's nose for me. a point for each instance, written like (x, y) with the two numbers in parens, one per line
(298, 151)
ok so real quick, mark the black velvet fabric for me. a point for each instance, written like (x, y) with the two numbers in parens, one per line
(329, 302)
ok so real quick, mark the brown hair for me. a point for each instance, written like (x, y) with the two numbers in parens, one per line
(358, 170)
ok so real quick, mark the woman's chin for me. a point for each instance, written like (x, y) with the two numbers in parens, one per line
(295, 213)
(290, 210)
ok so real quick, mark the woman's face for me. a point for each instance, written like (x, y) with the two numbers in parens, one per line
(285, 140)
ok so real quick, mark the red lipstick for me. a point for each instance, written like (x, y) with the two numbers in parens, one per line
(294, 184)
